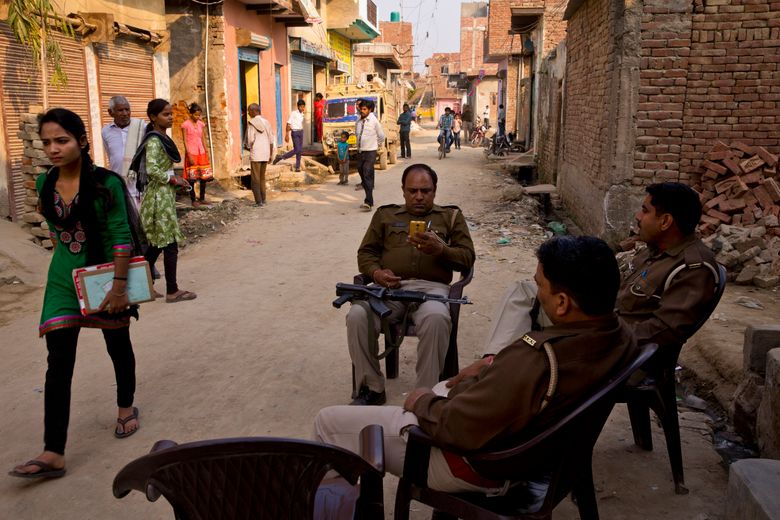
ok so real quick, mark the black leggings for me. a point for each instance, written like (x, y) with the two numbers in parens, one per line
(61, 345)
(202, 195)
(170, 260)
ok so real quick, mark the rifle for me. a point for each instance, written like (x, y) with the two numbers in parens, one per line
(375, 295)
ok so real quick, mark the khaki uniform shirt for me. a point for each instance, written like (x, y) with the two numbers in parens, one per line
(386, 246)
(667, 316)
(507, 395)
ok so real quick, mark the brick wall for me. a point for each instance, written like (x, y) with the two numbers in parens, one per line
(550, 105)
(665, 38)
(500, 42)
(733, 84)
(651, 88)
(400, 35)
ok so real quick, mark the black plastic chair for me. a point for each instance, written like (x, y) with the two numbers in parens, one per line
(450, 367)
(562, 452)
(261, 478)
(659, 393)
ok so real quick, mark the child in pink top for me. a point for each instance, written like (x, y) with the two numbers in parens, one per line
(196, 159)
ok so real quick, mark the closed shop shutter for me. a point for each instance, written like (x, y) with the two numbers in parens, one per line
(20, 87)
(125, 68)
(301, 73)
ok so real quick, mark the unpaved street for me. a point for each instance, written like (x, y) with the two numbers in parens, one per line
(262, 349)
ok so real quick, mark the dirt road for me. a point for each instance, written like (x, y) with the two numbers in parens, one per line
(262, 349)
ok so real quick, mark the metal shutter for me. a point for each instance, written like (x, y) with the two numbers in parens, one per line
(302, 73)
(125, 68)
(21, 87)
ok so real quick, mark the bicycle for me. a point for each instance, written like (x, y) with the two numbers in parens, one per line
(443, 139)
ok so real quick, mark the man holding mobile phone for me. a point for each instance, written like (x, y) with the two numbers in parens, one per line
(421, 261)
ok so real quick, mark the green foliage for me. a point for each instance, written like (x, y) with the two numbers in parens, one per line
(33, 22)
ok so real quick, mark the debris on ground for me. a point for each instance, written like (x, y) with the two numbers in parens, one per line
(206, 220)
(740, 193)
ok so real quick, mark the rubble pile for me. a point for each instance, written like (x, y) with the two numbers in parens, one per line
(740, 194)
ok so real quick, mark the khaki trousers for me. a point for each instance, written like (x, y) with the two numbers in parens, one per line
(258, 180)
(341, 426)
(432, 324)
(512, 318)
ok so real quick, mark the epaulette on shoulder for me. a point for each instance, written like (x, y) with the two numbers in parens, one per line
(693, 259)
(387, 206)
(451, 206)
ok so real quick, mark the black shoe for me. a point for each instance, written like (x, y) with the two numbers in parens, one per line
(276, 160)
(367, 397)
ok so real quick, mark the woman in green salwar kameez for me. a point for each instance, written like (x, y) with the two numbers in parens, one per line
(158, 205)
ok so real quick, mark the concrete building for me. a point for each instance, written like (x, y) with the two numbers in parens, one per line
(375, 59)
(119, 48)
(650, 87)
(399, 34)
(521, 33)
(482, 77)
(226, 56)
(349, 22)
(445, 82)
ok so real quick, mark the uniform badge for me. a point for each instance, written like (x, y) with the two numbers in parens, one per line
(528, 339)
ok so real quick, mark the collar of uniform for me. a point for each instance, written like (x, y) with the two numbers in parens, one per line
(537, 338)
(676, 250)
(434, 209)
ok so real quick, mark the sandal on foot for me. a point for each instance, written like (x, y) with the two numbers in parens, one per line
(46, 470)
(123, 422)
(181, 297)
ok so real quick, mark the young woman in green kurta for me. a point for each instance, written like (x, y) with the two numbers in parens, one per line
(158, 205)
(86, 208)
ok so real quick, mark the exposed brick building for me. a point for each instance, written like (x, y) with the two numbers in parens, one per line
(441, 67)
(399, 34)
(482, 77)
(650, 86)
(521, 34)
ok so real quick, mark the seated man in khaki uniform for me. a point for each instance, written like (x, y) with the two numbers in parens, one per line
(666, 287)
(578, 280)
(423, 262)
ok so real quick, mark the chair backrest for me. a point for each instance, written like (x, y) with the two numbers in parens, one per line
(720, 286)
(563, 450)
(241, 478)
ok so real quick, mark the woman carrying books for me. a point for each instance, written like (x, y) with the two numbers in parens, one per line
(91, 221)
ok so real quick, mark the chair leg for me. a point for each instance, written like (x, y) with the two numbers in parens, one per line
(391, 362)
(441, 515)
(639, 414)
(585, 493)
(670, 421)
(403, 500)
(354, 385)
(450, 368)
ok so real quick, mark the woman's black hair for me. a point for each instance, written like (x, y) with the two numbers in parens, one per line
(91, 188)
(154, 107)
(194, 107)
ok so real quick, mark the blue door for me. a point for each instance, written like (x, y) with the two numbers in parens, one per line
(279, 121)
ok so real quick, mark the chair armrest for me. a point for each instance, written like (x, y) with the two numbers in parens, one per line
(372, 447)
(456, 289)
(418, 454)
(163, 445)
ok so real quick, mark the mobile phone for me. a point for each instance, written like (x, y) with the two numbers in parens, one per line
(416, 226)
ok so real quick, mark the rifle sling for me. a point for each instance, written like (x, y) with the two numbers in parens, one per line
(373, 337)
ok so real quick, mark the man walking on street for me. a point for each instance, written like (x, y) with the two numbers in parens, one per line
(501, 120)
(370, 138)
(405, 123)
(260, 143)
(486, 116)
(121, 139)
(294, 127)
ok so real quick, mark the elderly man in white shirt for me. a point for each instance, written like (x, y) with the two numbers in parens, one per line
(121, 138)
(370, 138)
(260, 143)
(294, 127)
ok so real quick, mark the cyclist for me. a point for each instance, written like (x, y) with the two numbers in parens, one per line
(445, 134)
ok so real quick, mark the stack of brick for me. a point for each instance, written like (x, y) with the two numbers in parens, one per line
(34, 163)
(740, 193)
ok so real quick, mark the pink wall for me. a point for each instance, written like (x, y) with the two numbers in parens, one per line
(237, 16)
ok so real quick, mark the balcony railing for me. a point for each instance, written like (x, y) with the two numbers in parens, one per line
(374, 49)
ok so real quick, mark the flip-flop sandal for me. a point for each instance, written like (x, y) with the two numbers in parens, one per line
(47, 471)
(122, 422)
(182, 297)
